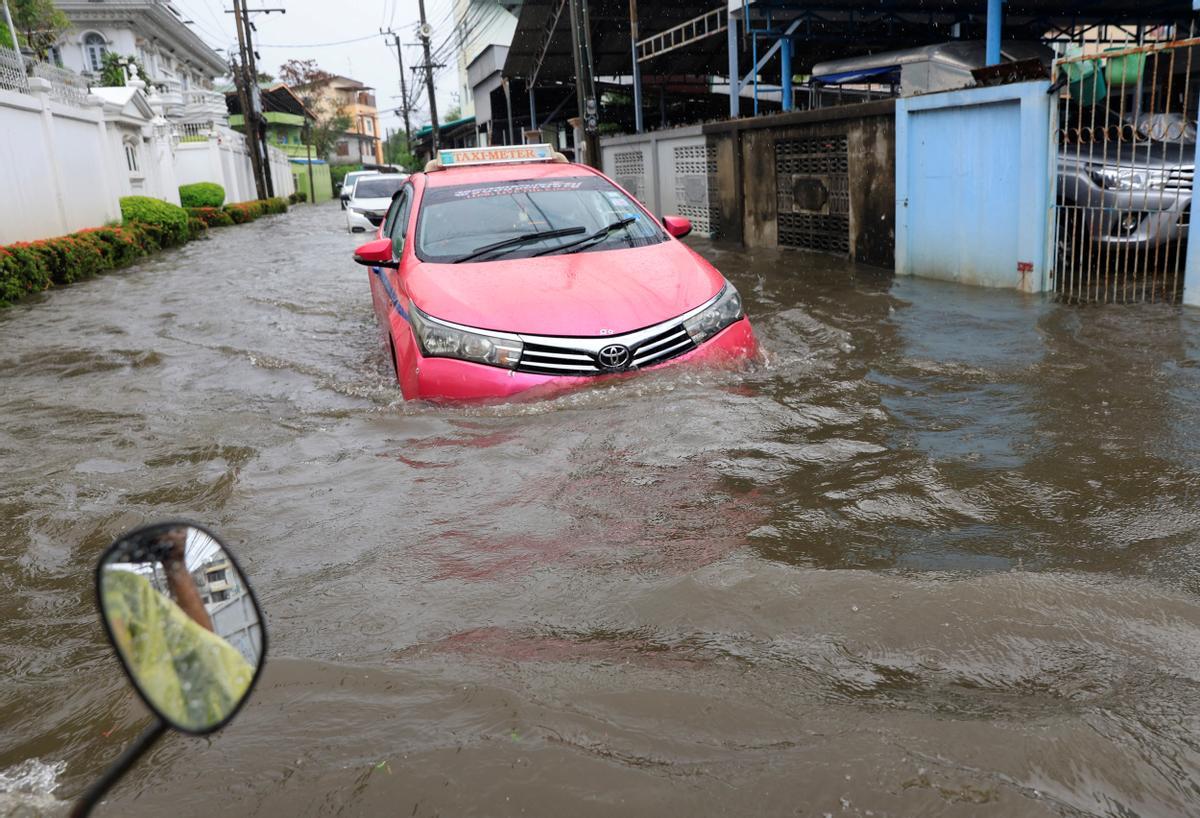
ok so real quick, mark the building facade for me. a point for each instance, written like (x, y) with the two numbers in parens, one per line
(288, 122)
(478, 25)
(177, 63)
(362, 144)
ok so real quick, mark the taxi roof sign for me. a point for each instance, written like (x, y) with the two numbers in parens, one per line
(493, 155)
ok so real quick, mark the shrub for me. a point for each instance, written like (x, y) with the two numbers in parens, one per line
(171, 222)
(28, 267)
(197, 228)
(275, 205)
(211, 216)
(202, 194)
(297, 197)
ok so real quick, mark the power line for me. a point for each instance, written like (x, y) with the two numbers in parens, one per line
(318, 45)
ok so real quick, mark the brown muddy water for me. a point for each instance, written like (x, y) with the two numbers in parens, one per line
(936, 556)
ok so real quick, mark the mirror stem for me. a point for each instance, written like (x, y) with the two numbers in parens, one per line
(87, 802)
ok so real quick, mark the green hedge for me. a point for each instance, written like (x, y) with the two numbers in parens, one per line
(171, 220)
(29, 267)
(297, 197)
(202, 194)
(211, 216)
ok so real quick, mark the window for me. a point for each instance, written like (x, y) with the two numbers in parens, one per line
(343, 149)
(56, 56)
(378, 187)
(216, 576)
(370, 125)
(94, 48)
(390, 222)
(131, 155)
(458, 219)
(398, 220)
(220, 596)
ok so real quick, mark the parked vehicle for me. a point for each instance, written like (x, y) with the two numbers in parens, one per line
(1133, 193)
(186, 628)
(347, 188)
(370, 199)
(1122, 183)
(502, 269)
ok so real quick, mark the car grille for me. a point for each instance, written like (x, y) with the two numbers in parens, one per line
(569, 356)
(1180, 179)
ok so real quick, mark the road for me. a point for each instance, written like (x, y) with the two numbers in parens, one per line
(936, 555)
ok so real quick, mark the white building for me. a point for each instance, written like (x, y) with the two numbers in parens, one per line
(176, 61)
(484, 30)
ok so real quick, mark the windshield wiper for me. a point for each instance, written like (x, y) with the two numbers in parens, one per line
(516, 241)
(602, 233)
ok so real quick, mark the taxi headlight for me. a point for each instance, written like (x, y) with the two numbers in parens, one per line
(726, 309)
(441, 340)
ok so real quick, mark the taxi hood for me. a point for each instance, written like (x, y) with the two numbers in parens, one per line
(601, 292)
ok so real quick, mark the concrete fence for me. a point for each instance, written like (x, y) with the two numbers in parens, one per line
(55, 165)
(209, 152)
(672, 172)
(64, 167)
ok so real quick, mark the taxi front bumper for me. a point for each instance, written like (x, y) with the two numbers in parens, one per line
(450, 379)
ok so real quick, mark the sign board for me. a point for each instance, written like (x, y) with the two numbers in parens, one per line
(454, 157)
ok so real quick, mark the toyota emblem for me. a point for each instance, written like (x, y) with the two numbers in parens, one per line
(614, 356)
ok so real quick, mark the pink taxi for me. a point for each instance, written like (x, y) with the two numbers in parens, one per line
(502, 269)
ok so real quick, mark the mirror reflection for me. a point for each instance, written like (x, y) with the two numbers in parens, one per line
(183, 621)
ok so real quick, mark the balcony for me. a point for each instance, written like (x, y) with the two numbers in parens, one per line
(202, 105)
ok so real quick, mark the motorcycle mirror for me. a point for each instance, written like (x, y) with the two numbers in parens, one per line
(184, 621)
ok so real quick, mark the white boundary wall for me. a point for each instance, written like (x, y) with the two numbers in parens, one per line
(63, 168)
(56, 172)
(672, 172)
(224, 158)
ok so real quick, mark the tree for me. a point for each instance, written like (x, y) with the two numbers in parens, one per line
(303, 77)
(325, 132)
(299, 73)
(39, 25)
(265, 78)
(453, 114)
(113, 69)
(396, 152)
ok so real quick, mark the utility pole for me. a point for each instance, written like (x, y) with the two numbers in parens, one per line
(245, 99)
(255, 126)
(403, 88)
(585, 85)
(426, 32)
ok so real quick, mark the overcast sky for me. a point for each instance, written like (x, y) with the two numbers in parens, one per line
(320, 29)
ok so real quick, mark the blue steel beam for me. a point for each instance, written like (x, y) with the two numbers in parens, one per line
(762, 62)
(735, 85)
(995, 13)
(785, 67)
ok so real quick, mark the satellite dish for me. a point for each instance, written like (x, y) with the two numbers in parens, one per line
(425, 31)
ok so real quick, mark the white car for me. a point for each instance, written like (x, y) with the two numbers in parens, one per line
(348, 184)
(370, 199)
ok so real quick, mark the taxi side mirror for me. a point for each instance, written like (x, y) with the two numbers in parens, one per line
(677, 226)
(376, 253)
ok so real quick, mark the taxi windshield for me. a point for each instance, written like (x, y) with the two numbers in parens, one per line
(461, 221)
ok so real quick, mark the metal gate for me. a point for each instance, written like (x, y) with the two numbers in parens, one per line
(813, 189)
(1125, 147)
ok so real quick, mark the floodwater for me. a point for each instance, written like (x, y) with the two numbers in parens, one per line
(938, 554)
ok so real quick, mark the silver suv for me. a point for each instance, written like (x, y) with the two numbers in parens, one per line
(1136, 194)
